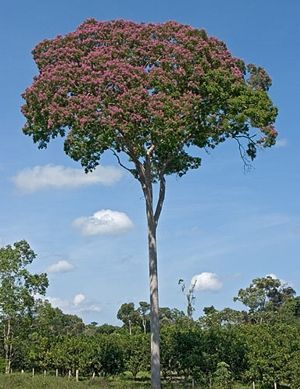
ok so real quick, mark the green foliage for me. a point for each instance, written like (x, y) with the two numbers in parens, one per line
(18, 288)
(53, 322)
(170, 315)
(272, 351)
(222, 377)
(144, 312)
(127, 87)
(93, 329)
(265, 297)
(109, 355)
(17, 285)
(128, 315)
(137, 353)
(264, 293)
(226, 316)
(219, 349)
(71, 353)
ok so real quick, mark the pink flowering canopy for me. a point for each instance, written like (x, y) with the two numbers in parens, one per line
(131, 87)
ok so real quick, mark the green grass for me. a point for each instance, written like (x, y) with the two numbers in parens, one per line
(26, 381)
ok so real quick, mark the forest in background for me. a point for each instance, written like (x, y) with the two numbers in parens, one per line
(259, 345)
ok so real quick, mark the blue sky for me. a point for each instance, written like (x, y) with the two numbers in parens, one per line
(216, 219)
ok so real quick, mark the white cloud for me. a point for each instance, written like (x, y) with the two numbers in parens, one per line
(93, 308)
(57, 302)
(103, 222)
(78, 305)
(283, 142)
(206, 281)
(60, 267)
(53, 176)
(79, 299)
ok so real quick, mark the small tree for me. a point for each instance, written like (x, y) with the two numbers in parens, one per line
(153, 93)
(128, 315)
(190, 297)
(222, 377)
(137, 352)
(17, 290)
(109, 354)
(144, 310)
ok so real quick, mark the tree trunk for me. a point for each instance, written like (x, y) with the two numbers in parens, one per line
(129, 325)
(144, 325)
(154, 305)
(7, 345)
(146, 180)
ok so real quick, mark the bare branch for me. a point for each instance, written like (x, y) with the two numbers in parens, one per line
(161, 198)
(121, 164)
(248, 137)
(130, 152)
(243, 153)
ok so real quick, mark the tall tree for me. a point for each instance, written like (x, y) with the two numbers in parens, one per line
(154, 94)
(190, 297)
(52, 322)
(128, 315)
(265, 296)
(17, 290)
(143, 310)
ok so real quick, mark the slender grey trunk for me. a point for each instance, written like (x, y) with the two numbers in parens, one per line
(7, 345)
(154, 304)
(146, 180)
(129, 325)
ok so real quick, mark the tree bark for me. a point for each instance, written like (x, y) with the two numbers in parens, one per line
(7, 345)
(154, 305)
(146, 180)
(144, 325)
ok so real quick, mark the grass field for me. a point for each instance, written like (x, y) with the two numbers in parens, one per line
(26, 381)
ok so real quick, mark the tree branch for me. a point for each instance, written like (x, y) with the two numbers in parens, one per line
(130, 152)
(242, 151)
(161, 198)
(150, 150)
(121, 164)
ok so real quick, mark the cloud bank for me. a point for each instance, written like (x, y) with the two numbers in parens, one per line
(54, 176)
(103, 222)
(206, 281)
(79, 299)
(60, 267)
(79, 304)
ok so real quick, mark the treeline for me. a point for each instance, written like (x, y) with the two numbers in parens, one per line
(219, 348)
(260, 344)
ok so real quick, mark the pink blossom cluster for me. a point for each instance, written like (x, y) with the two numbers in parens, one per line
(109, 83)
